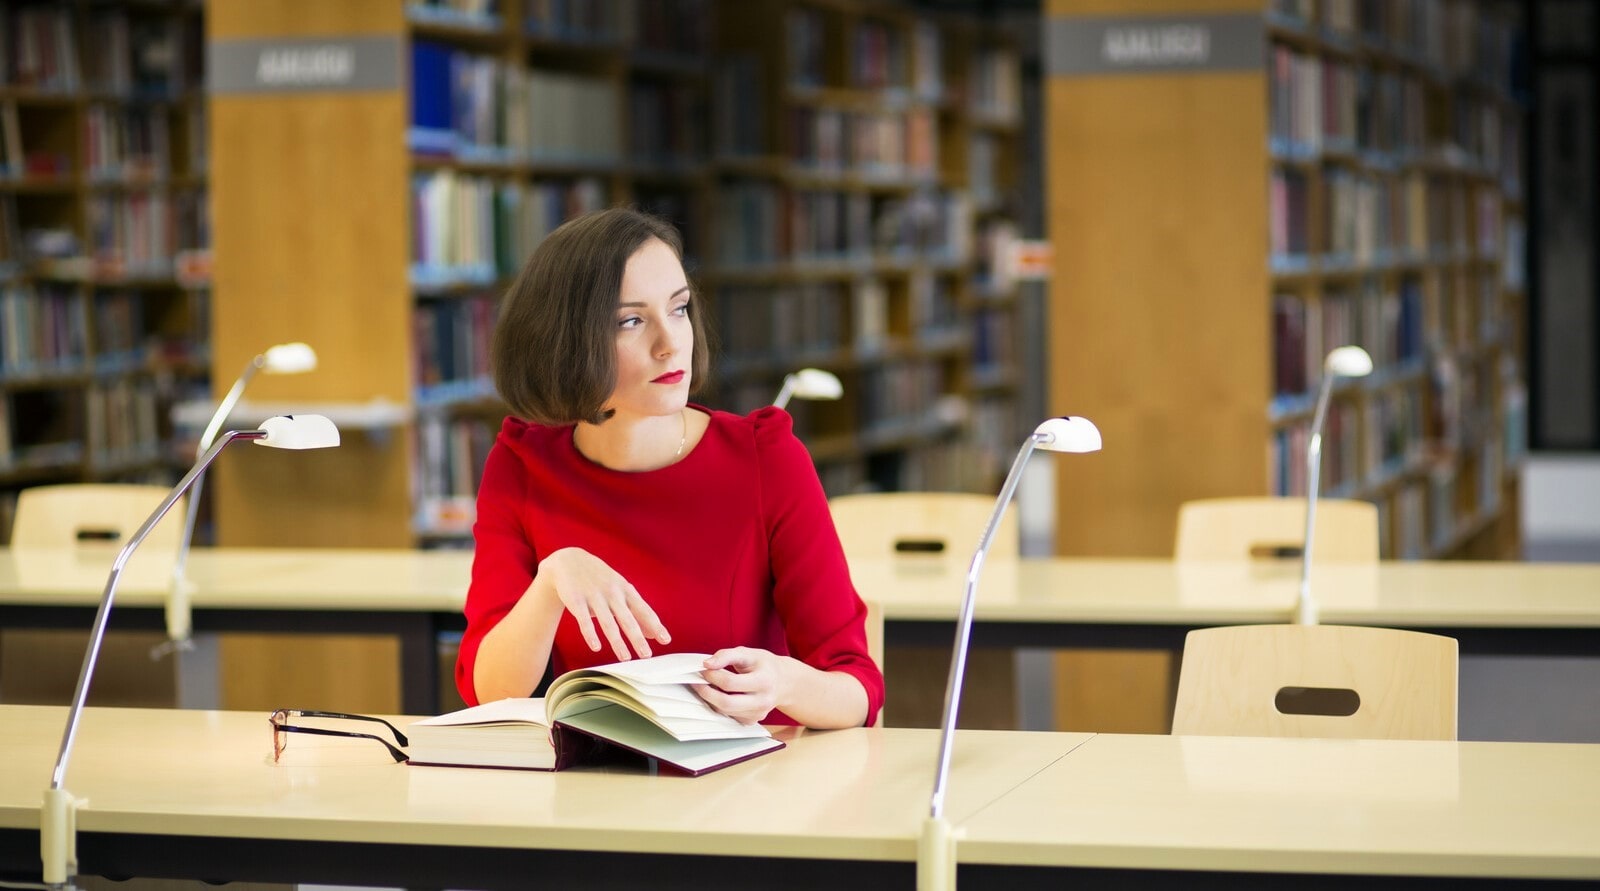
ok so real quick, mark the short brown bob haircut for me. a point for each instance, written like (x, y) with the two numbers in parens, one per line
(554, 352)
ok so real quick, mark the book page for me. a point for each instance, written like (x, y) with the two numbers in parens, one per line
(502, 711)
(658, 689)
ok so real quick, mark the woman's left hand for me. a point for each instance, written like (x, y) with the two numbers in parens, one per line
(744, 682)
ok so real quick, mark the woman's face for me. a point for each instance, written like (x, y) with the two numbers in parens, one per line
(655, 341)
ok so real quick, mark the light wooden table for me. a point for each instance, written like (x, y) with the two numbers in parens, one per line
(1341, 807)
(195, 794)
(1490, 608)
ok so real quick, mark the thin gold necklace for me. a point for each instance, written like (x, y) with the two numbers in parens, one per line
(683, 413)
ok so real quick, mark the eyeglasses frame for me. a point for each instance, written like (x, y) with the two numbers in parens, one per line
(279, 721)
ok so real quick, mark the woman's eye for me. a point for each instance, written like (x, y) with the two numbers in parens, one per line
(681, 310)
(630, 322)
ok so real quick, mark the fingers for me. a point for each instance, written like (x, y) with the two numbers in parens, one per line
(734, 658)
(580, 611)
(608, 626)
(738, 706)
(649, 623)
(627, 616)
(609, 611)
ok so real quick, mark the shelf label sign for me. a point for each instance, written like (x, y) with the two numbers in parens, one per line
(1030, 260)
(357, 63)
(1079, 46)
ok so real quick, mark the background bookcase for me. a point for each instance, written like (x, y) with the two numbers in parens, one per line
(103, 232)
(863, 157)
(1363, 187)
(1219, 230)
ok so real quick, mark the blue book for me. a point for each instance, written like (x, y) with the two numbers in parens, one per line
(431, 124)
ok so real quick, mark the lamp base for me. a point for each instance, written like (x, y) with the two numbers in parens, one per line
(58, 837)
(936, 856)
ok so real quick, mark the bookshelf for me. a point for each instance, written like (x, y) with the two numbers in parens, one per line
(863, 154)
(1221, 222)
(103, 235)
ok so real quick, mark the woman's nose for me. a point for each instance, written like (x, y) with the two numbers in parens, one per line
(670, 340)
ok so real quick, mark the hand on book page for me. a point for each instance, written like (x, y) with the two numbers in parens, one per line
(644, 706)
(742, 683)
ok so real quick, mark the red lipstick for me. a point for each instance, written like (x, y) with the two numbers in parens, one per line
(670, 377)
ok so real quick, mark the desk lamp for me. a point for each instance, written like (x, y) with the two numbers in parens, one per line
(936, 849)
(808, 383)
(1346, 361)
(285, 358)
(58, 816)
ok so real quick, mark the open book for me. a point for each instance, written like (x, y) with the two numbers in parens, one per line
(643, 706)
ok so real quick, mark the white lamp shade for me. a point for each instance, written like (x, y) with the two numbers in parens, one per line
(1068, 434)
(1349, 361)
(299, 432)
(814, 383)
(289, 358)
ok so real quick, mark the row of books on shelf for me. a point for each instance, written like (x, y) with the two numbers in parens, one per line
(45, 330)
(1451, 37)
(1432, 516)
(135, 142)
(475, 107)
(1328, 105)
(896, 61)
(125, 51)
(139, 232)
(798, 319)
(994, 339)
(470, 228)
(870, 144)
(676, 27)
(761, 223)
(666, 124)
(122, 422)
(1390, 324)
(450, 454)
(1367, 217)
(452, 339)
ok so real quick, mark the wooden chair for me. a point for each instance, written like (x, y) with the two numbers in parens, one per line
(919, 525)
(41, 667)
(1241, 528)
(93, 515)
(882, 524)
(1337, 681)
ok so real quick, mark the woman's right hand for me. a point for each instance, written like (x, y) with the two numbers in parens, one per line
(596, 594)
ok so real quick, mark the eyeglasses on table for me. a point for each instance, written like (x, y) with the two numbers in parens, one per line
(281, 726)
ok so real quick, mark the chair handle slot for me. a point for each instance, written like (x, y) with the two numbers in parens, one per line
(918, 546)
(1332, 702)
(1263, 550)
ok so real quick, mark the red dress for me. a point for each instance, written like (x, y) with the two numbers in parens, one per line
(731, 546)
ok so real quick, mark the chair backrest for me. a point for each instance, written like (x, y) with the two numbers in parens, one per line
(82, 514)
(1239, 528)
(883, 524)
(1337, 681)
